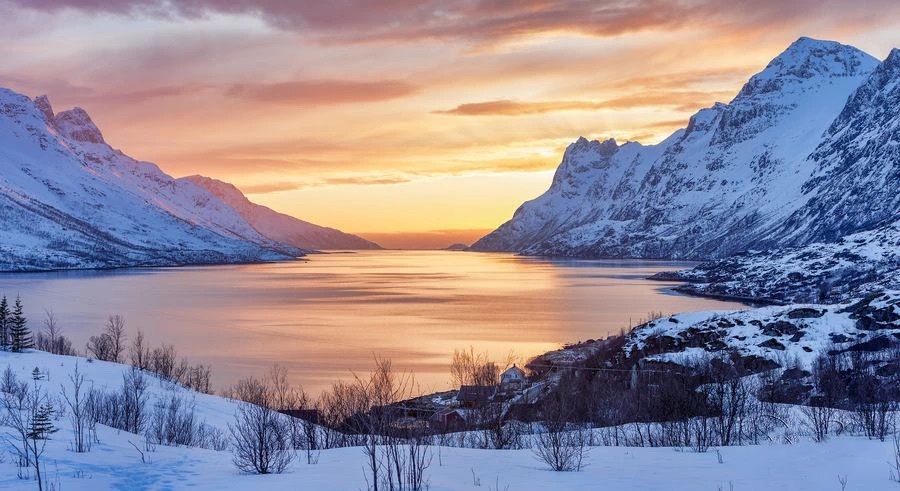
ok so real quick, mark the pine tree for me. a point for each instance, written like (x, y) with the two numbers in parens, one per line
(4, 324)
(42, 423)
(19, 334)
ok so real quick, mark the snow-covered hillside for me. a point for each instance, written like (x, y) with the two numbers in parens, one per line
(806, 152)
(851, 267)
(114, 463)
(69, 200)
(278, 226)
(783, 334)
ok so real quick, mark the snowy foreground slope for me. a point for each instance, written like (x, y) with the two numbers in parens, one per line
(115, 464)
(806, 152)
(278, 226)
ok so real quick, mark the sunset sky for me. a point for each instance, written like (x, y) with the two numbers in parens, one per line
(415, 124)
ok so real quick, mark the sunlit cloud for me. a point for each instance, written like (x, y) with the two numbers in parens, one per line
(320, 92)
(406, 20)
(677, 99)
(277, 187)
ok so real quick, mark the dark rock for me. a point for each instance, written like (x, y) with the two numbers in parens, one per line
(772, 343)
(839, 338)
(796, 337)
(794, 374)
(807, 349)
(805, 313)
(877, 344)
(889, 370)
(780, 328)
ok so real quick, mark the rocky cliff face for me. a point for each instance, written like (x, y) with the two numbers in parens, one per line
(805, 152)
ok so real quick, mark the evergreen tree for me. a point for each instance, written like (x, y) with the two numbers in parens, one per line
(19, 334)
(42, 423)
(4, 324)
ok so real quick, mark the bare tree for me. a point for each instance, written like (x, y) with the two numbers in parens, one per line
(470, 368)
(895, 465)
(140, 352)
(562, 445)
(28, 423)
(390, 467)
(134, 400)
(260, 436)
(818, 417)
(50, 339)
(115, 329)
(79, 411)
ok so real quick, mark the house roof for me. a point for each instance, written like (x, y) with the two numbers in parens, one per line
(476, 393)
(513, 371)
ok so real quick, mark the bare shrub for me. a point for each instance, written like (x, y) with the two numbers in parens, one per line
(394, 463)
(562, 445)
(163, 360)
(818, 418)
(79, 411)
(895, 465)
(470, 368)
(260, 437)
(51, 339)
(140, 352)
(28, 425)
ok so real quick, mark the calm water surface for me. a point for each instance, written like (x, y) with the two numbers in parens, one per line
(328, 316)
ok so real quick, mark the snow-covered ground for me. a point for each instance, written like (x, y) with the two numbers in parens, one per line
(115, 464)
(852, 267)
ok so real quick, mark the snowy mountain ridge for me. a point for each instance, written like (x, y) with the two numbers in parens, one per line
(278, 226)
(70, 200)
(792, 159)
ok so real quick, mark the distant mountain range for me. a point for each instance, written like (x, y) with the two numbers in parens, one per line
(69, 200)
(807, 152)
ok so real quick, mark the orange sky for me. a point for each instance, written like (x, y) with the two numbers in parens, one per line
(404, 121)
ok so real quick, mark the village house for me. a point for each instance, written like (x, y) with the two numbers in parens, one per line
(512, 379)
(448, 419)
(475, 396)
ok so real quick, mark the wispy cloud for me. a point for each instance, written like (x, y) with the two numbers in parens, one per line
(687, 100)
(322, 92)
(407, 20)
(277, 187)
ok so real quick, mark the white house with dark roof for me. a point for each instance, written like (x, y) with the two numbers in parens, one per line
(512, 379)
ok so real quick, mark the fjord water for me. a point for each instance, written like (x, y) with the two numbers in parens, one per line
(330, 314)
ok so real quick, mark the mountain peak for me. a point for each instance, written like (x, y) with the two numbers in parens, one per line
(43, 104)
(805, 61)
(77, 125)
(893, 59)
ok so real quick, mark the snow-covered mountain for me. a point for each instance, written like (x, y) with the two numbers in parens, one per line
(278, 226)
(807, 151)
(69, 200)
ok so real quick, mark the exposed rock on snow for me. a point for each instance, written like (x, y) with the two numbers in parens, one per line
(852, 267)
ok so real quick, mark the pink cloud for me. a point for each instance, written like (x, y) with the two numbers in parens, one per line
(394, 20)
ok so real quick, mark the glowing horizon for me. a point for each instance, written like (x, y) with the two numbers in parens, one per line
(415, 122)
